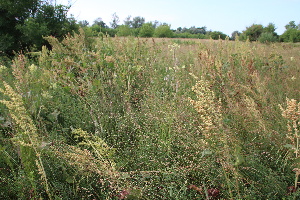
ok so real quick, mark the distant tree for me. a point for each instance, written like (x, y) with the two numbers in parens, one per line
(163, 31)
(128, 21)
(290, 35)
(267, 37)
(291, 25)
(234, 34)
(178, 30)
(100, 23)
(253, 32)
(270, 28)
(83, 23)
(217, 35)
(147, 30)
(155, 24)
(137, 22)
(185, 30)
(194, 30)
(115, 21)
(123, 30)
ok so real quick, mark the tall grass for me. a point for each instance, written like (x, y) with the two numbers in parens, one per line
(116, 118)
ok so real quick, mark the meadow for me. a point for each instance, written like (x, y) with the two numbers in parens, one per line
(131, 118)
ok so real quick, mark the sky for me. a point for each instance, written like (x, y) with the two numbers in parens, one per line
(217, 15)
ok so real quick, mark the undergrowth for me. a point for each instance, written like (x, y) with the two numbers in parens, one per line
(130, 118)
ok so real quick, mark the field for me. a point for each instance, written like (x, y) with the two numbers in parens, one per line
(129, 118)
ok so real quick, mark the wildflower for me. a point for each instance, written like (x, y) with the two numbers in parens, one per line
(173, 47)
(32, 68)
(2, 68)
(46, 95)
(109, 59)
(53, 85)
(292, 58)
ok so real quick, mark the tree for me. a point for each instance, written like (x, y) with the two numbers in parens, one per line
(253, 32)
(199, 30)
(128, 21)
(163, 31)
(234, 35)
(23, 24)
(115, 21)
(137, 22)
(268, 35)
(123, 30)
(11, 15)
(155, 24)
(217, 35)
(48, 20)
(83, 23)
(100, 23)
(270, 28)
(291, 34)
(291, 25)
(147, 30)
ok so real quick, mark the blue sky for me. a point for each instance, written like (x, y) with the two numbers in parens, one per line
(217, 15)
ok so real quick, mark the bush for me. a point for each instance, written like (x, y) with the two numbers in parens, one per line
(163, 31)
(267, 38)
(123, 30)
(290, 35)
(215, 35)
(147, 30)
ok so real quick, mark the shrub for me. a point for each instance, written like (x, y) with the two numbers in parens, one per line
(267, 38)
(163, 31)
(147, 30)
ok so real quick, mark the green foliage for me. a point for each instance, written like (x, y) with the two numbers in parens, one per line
(147, 30)
(253, 32)
(27, 26)
(215, 35)
(163, 31)
(291, 25)
(139, 118)
(124, 30)
(137, 22)
(292, 33)
(267, 37)
(235, 34)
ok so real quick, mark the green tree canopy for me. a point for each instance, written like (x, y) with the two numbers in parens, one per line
(124, 30)
(291, 25)
(115, 21)
(253, 32)
(163, 31)
(217, 35)
(234, 35)
(23, 23)
(292, 33)
(137, 22)
(147, 30)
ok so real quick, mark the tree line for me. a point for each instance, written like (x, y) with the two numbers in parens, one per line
(25, 23)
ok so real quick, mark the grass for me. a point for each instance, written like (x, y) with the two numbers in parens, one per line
(116, 118)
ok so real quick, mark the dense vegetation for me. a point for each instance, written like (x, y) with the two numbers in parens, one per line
(87, 113)
(115, 118)
(25, 23)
